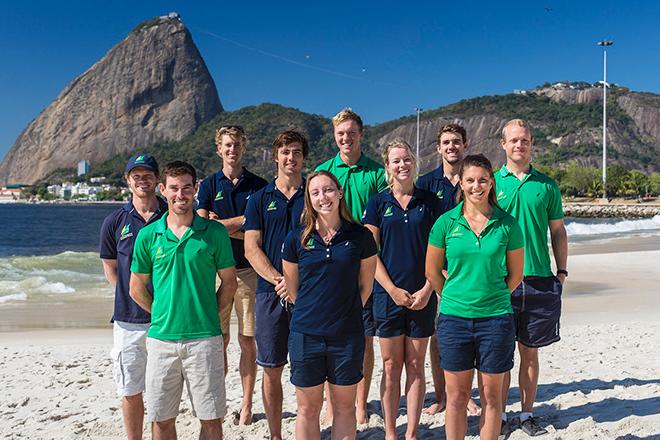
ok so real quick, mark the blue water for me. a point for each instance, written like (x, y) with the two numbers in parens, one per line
(29, 230)
(50, 252)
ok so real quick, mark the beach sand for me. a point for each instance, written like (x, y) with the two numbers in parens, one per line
(602, 380)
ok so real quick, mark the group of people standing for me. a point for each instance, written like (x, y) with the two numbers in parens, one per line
(316, 267)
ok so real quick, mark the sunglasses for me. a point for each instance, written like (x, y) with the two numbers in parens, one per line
(231, 127)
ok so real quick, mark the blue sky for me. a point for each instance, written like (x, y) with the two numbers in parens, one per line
(382, 58)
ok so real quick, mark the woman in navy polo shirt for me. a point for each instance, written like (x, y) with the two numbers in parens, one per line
(483, 246)
(329, 265)
(400, 219)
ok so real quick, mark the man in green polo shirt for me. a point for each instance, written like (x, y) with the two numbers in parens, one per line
(181, 254)
(360, 178)
(535, 201)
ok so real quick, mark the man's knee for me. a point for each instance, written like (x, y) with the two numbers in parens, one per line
(247, 343)
(528, 355)
(273, 375)
(134, 399)
(165, 425)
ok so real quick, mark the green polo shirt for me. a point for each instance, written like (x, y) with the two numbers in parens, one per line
(183, 273)
(360, 181)
(476, 265)
(533, 201)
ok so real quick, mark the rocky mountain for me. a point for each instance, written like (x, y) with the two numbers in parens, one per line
(151, 87)
(567, 126)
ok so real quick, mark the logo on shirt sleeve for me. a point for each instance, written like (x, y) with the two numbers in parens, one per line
(218, 196)
(388, 212)
(272, 206)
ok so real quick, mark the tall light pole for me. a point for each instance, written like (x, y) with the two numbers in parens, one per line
(605, 44)
(419, 111)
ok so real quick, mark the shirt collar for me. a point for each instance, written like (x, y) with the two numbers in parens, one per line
(162, 205)
(362, 162)
(417, 194)
(457, 212)
(272, 188)
(505, 172)
(198, 223)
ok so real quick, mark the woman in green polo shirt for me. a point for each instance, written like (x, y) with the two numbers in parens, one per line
(483, 247)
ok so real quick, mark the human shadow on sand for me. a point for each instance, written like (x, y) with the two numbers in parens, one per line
(550, 391)
(606, 410)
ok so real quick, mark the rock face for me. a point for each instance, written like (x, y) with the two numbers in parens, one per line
(152, 87)
(483, 137)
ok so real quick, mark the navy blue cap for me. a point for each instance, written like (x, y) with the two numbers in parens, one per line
(144, 161)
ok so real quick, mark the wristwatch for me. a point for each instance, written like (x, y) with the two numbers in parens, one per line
(563, 272)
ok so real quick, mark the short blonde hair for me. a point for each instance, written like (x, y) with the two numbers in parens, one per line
(396, 143)
(520, 123)
(234, 131)
(345, 115)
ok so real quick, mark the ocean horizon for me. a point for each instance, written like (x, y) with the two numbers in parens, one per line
(49, 253)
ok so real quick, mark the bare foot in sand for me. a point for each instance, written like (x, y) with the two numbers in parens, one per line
(362, 416)
(243, 418)
(473, 408)
(436, 407)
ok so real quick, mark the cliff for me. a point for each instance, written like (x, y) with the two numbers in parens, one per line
(151, 87)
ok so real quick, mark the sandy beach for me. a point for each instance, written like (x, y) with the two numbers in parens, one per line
(602, 380)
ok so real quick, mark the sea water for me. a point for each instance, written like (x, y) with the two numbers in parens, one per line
(49, 253)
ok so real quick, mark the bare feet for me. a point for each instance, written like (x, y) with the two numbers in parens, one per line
(362, 416)
(473, 408)
(242, 418)
(436, 407)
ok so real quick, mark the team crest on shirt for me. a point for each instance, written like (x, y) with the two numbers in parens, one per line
(501, 195)
(218, 196)
(388, 212)
(310, 243)
(457, 232)
(272, 206)
(159, 252)
(125, 232)
(440, 193)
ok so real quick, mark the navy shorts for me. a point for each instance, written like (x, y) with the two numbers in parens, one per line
(537, 309)
(393, 320)
(368, 318)
(316, 359)
(272, 317)
(486, 344)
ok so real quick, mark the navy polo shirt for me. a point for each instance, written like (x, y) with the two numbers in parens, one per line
(218, 194)
(438, 184)
(404, 235)
(270, 212)
(118, 235)
(328, 302)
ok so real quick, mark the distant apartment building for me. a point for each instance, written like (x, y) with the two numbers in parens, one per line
(84, 167)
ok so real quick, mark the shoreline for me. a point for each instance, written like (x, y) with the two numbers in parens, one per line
(599, 381)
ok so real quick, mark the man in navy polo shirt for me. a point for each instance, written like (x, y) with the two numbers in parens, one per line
(443, 182)
(223, 197)
(270, 215)
(131, 322)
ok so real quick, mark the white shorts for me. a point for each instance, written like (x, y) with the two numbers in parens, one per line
(129, 357)
(200, 364)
